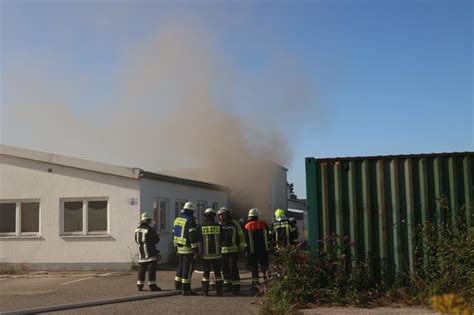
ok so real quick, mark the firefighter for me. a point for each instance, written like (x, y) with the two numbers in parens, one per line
(211, 251)
(256, 232)
(233, 241)
(186, 242)
(146, 239)
(295, 234)
(283, 234)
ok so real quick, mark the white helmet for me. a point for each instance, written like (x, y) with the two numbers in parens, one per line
(222, 210)
(145, 216)
(209, 211)
(254, 212)
(189, 206)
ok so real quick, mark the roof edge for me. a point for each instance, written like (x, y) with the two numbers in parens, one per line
(73, 162)
(182, 181)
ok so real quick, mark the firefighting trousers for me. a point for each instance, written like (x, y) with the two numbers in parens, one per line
(256, 259)
(142, 269)
(214, 264)
(185, 268)
(230, 269)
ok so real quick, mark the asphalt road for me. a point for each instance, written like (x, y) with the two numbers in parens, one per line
(52, 289)
(24, 292)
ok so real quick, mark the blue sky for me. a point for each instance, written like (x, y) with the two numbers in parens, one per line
(387, 77)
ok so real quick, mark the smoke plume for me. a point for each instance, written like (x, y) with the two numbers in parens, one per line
(174, 105)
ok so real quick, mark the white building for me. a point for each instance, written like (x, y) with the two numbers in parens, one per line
(297, 209)
(59, 212)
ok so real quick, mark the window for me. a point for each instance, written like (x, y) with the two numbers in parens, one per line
(19, 217)
(201, 207)
(97, 216)
(178, 205)
(215, 205)
(85, 216)
(29, 217)
(160, 210)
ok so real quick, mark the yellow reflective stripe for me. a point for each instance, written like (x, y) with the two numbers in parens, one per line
(185, 250)
(195, 245)
(141, 230)
(180, 240)
(205, 279)
(178, 279)
(211, 229)
(236, 282)
(211, 256)
(192, 229)
(185, 281)
(229, 249)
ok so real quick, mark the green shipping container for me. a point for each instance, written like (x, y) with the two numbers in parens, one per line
(379, 201)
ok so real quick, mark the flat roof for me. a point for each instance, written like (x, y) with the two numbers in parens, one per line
(129, 172)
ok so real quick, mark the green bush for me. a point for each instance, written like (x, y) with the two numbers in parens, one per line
(445, 258)
(444, 251)
(333, 278)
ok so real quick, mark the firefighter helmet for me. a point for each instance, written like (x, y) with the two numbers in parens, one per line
(210, 211)
(189, 206)
(145, 216)
(254, 212)
(222, 210)
(279, 213)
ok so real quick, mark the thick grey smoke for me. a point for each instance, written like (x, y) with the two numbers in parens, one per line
(175, 107)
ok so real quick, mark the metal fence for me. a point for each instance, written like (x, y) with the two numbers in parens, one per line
(379, 201)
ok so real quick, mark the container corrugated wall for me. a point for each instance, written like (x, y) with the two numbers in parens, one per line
(379, 201)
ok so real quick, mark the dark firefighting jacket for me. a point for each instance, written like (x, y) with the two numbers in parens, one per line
(146, 239)
(185, 234)
(211, 237)
(283, 234)
(256, 235)
(233, 237)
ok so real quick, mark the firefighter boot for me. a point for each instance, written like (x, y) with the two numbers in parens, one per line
(219, 287)
(186, 289)
(205, 288)
(139, 287)
(154, 287)
(177, 285)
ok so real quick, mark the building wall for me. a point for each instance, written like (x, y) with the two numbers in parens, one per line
(152, 190)
(278, 191)
(28, 179)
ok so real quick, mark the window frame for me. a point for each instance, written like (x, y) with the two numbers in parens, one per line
(85, 216)
(200, 211)
(156, 206)
(18, 232)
